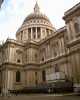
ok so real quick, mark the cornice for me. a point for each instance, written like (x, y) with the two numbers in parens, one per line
(73, 42)
(11, 63)
(59, 32)
(72, 10)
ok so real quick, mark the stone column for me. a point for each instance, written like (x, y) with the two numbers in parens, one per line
(60, 47)
(41, 32)
(31, 33)
(63, 47)
(45, 32)
(72, 27)
(36, 32)
(26, 34)
(49, 32)
(68, 32)
(5, 85)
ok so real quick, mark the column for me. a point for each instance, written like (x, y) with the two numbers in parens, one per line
(72, 28)
(5, 77)
(63, 47)
(10, 79)
(68, 32)
(41, 32)
(26, 34)
(36, 32)
(45, 32)
(49, 32)
(31, 33)
(60, 47)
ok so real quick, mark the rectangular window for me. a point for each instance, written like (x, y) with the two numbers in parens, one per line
(18, 76)
(43, 75)
(56, 68)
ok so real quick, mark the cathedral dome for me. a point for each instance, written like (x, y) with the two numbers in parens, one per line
(36, 25)
(37, 15)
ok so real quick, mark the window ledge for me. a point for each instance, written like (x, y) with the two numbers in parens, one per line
(17, 83)
(78, 34)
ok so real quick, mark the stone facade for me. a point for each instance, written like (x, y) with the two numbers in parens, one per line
(41, 54)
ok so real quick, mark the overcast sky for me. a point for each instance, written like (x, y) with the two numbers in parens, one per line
(13, 13)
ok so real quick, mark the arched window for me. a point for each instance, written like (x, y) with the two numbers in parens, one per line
(43, 54)
(42, 59)
(76, 26)
(18, 76)
(18, 61)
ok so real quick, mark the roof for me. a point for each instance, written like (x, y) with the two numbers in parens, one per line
(36, 16)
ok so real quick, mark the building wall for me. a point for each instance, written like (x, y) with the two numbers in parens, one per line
(57, 54)
(73, 43)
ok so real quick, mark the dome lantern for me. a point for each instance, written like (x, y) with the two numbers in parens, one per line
(36, 9)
